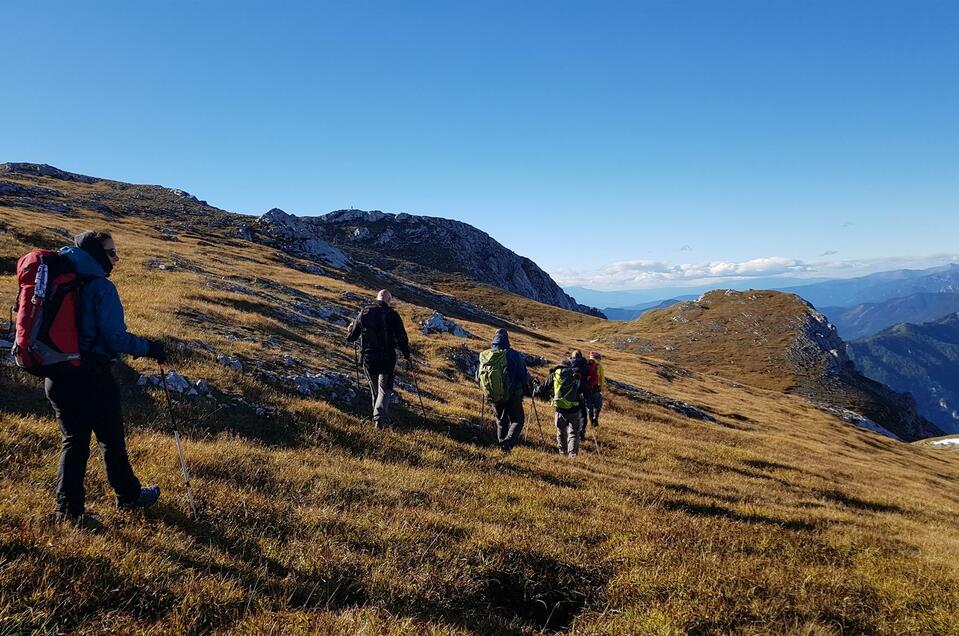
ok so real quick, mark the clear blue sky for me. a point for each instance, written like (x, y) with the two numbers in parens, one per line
(579, 134)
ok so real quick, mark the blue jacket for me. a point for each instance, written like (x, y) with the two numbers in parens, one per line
(100, 321)
(516, 373)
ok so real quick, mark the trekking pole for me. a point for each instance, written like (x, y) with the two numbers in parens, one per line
(356, 364)
(536, 416)
(179, 446)
(416, 386)
(599, 449)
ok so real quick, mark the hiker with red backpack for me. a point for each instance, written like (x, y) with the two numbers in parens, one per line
(380, 332)
(69, 329)
(595, 383)
(504, 380)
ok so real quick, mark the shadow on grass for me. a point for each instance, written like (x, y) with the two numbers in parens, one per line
(505, 590)
(69, 590)
(762, 464)
(22, 393)
(538, 589)
(713, 510)
(850, 501)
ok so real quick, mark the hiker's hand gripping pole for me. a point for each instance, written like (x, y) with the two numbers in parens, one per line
(179, 445)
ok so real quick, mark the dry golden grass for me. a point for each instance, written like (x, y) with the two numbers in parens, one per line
(781, 519)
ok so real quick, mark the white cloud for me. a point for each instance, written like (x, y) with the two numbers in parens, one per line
(642, 274)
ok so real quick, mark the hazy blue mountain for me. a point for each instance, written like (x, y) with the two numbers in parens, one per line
(921, 359)
(880, 287)
(633, 298)
(634, 312)
(867, 319)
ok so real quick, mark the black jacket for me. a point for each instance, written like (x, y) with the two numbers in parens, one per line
(380, 331)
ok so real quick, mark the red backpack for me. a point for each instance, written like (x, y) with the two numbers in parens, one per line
(592, 374)
(46, 322)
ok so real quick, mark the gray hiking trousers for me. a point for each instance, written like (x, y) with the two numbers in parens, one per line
(568, 426)
(381, 392)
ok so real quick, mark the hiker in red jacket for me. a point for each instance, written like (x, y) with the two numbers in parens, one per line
(595, 383)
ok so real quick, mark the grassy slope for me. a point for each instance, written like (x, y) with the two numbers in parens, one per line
(723, 336)
(782, 519)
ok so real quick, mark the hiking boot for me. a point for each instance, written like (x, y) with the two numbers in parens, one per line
(147, 497)
(83, 521)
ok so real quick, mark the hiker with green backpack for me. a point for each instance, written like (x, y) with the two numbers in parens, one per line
(504, 380)
(567, 388)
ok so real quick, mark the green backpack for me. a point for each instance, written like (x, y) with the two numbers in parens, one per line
(492, 375)
(565, 388)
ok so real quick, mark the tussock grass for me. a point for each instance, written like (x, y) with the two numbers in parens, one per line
(780, 519)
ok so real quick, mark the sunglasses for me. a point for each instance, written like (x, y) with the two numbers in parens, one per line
(112, 253)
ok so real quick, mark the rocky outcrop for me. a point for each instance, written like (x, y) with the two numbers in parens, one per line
(295, 234)
(438, 323)
(44, 170)
(441, 244)
(826, 373)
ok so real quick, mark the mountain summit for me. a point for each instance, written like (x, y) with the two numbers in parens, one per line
(776, 341)
(411, 244)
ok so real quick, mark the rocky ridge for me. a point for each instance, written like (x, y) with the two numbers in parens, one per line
(441, 244)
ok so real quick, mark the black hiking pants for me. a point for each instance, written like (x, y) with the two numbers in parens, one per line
(84, 401)
(510, 418)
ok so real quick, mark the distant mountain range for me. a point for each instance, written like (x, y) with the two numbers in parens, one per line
(867, 319)
(880, 287)
(632, 298)
(857, 306)
(920, 359)
(634, 312)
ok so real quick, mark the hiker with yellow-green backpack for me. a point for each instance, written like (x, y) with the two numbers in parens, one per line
(504, 380)
(566, 386)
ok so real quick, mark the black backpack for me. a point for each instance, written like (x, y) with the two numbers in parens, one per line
(375, 334)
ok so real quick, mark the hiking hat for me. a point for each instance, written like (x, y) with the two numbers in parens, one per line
(501, 339)
(92, 243)
(594, 355)
(575, 353)
(384, 296)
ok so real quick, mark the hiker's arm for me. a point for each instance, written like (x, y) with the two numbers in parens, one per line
(399, 333)
(111, 328)
(354, 330)
(522, 374)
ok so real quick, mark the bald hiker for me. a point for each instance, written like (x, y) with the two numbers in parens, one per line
(504, 380)
(380, 332)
